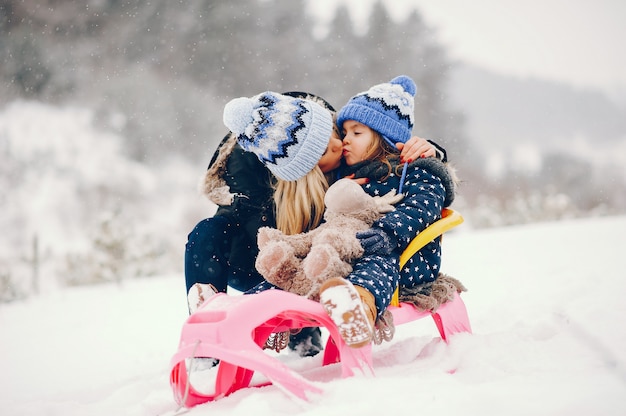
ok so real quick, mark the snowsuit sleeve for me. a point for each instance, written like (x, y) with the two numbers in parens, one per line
(424, 196)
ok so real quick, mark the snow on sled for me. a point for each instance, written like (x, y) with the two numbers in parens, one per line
(234, 330)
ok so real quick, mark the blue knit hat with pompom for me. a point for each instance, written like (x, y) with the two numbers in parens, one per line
(289, 135)
(385, 108)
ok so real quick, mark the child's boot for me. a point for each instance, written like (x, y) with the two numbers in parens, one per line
(352, 309)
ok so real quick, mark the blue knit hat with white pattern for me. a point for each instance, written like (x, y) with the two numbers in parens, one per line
(289, 135)
(385, 108)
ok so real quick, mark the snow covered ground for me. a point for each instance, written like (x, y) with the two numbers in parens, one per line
(545, 301)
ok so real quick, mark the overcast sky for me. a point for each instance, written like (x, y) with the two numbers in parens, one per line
(580, 42)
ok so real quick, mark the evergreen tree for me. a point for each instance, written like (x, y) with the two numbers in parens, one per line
(338, 65)
(430, 68)
(380, 48)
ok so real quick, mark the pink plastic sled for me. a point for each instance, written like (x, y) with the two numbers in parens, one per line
(234, 329)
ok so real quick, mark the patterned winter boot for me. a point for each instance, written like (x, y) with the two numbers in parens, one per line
(352, 309)
(385, 328)
(198, 293)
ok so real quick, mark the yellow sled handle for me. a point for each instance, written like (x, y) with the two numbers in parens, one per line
(449, 219)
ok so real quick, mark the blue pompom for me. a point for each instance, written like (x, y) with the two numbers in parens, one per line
(407, 84)
(238, 114)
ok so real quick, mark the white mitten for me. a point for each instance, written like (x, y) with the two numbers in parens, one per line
(386, 202)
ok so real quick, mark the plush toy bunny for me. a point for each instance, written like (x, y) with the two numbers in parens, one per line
(300, 263)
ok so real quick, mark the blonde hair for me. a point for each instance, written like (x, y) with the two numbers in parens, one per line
(300, 203)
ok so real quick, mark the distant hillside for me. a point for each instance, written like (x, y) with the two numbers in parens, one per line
(503, 111)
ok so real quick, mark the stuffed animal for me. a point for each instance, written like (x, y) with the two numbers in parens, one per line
(300, 263)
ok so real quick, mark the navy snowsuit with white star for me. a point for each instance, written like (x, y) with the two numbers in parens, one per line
(428, 188)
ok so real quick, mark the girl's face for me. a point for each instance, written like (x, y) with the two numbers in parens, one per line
(357, 141)
(331, 159)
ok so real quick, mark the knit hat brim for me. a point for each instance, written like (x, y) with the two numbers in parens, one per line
(385, 126)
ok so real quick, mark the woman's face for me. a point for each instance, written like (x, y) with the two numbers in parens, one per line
(331, 159)
(357, 140)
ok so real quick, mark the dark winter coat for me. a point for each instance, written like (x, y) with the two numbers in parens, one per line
(241, 186)
(428, 187)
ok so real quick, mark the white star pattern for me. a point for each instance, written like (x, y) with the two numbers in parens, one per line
(424, 197)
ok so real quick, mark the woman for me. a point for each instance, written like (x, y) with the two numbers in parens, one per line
(221, 250)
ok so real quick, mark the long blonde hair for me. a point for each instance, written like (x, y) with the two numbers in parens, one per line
(300, 204)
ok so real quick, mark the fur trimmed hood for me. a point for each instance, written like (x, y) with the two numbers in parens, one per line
(240, 185)
(214, 187)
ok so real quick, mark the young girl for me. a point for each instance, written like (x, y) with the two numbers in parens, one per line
(372, 123)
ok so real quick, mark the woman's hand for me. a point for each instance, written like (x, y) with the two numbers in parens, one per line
(415, 148)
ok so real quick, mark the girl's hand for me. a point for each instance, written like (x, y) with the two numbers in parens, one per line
(415, 148)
